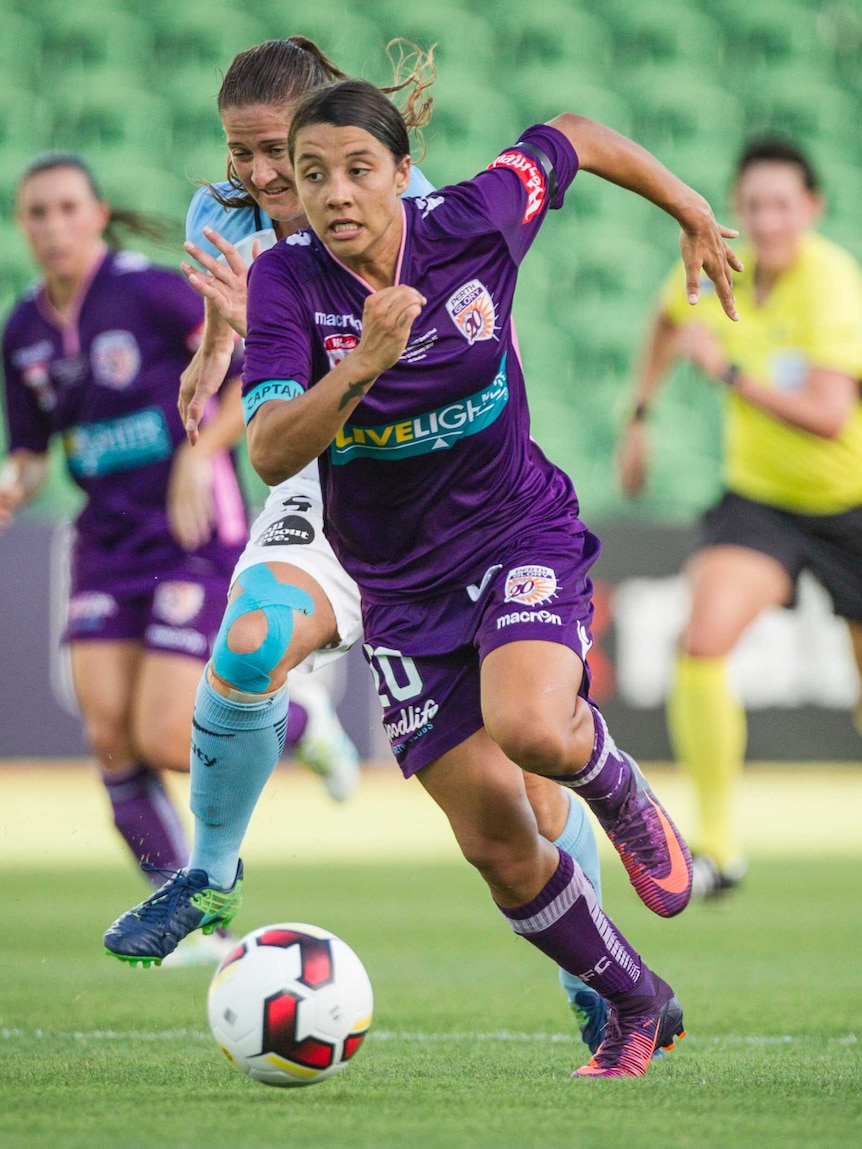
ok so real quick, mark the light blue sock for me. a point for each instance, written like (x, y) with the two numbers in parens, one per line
(235, 747)
(579, 840)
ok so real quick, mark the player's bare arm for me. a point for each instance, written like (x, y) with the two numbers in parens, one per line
(206, 372)
(635, 448)
(821, 406)
(620, 160)
(285, 437)
(190, 507)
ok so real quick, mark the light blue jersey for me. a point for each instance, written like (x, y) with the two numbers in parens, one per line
(241, 224)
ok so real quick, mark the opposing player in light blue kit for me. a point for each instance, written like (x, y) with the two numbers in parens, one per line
(288, 556)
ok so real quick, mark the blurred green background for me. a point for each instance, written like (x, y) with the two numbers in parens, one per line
(131, 85)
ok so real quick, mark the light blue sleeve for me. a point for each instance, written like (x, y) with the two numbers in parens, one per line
(235, 224)
(419, 185)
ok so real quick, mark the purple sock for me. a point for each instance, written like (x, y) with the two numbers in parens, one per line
(297, 722)
(147, 820)
(566, 922)
(605, 780)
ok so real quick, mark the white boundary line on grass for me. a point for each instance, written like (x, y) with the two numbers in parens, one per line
(501, 1036)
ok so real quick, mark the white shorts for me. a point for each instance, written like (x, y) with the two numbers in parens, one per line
(289, 529)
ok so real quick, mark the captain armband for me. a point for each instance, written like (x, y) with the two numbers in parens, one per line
(266, 391)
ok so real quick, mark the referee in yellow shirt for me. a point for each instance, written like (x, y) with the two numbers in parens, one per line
(790, 372)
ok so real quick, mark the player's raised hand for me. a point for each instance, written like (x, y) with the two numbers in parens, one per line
(702, 246)
(202, 379)
(387, 321)
(224, 282)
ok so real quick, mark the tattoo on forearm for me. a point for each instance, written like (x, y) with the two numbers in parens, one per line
(354, 391)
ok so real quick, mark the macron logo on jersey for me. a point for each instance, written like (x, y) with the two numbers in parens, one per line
(333, 319)
(531, 175)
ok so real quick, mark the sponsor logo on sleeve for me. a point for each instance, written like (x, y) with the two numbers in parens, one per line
(531, 175)
(33, 363)
(789, 368)
(530, 585)
(38, 379)
(472, 310)
(116, 359)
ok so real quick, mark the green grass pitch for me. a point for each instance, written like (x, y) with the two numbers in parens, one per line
(472, 1044)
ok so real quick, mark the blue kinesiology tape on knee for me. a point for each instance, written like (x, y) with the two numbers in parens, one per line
(252, 671)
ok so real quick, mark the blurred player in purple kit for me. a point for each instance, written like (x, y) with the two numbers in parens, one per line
(94, 353)
(464, 540)
(227, 224)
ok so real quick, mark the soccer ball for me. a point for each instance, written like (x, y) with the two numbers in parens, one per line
(290, 1004)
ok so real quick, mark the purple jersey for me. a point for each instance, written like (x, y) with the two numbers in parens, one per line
(435, 469)
(106, 378)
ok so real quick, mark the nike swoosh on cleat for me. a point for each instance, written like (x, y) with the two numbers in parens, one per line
(677, 880)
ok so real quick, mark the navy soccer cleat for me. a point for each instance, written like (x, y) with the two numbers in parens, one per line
(152, 930)
(591, 1014)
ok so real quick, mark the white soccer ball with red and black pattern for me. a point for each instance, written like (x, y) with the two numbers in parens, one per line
(290, 1004)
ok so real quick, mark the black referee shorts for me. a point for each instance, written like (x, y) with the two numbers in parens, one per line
(829, 546)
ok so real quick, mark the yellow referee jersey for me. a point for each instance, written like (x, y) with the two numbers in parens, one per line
(812, 317)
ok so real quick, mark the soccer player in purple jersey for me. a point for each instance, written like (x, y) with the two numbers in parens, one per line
(465, 540)
(253, 209)
(94, 353)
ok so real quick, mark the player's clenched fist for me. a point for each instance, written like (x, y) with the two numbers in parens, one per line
(387, 320)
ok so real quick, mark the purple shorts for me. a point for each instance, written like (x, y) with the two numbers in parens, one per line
(426, 656)
(179, 614)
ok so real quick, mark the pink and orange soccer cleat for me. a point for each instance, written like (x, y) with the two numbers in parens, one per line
(631, 1040)
(654, 853)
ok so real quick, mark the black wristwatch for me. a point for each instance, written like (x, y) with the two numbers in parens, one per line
(640, 412)
(730, 375)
